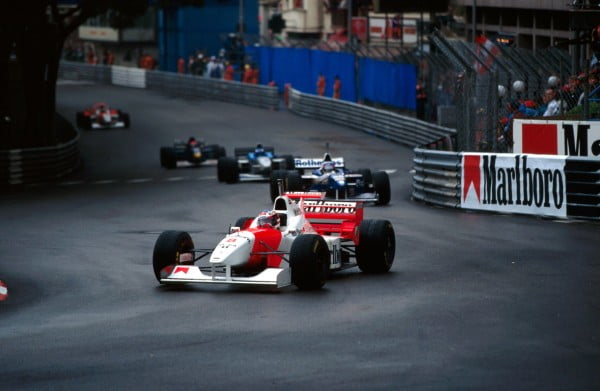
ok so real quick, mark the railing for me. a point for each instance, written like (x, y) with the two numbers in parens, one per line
(437, 180)
(34, 165)
(395, 127)
(436, 177)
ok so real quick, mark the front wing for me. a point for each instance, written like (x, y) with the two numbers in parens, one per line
(112, 125)
(270, 277)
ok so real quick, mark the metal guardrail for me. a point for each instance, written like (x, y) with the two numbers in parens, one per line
(437, 180)
(34, 165)
(391, 126)
(583, 188)
(191, 86)
(436, 177)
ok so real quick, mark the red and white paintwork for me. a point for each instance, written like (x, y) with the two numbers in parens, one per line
(262, 252)
(3, 291)
(107, 118)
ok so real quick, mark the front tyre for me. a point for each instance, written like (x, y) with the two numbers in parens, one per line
(376, 246)
(168, 248)
(309, 262)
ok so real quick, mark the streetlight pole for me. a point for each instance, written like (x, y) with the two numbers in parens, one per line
(474, 21)
(241, 19)
(349, 28)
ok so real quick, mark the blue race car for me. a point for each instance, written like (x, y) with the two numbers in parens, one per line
(252, 164)
(329, 176)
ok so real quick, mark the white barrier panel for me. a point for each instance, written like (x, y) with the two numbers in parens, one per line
(512, 183)
(128, 77)
(573, 138)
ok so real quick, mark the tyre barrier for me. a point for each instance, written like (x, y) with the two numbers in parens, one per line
(36, 165)
(437, 181)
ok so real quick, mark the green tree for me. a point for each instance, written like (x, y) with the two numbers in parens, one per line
(32, 35)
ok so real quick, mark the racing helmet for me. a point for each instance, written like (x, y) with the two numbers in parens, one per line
(259, 148)
(328, 166)
(268, 218)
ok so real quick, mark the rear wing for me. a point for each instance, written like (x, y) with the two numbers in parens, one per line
(339, 218)
(313, 163)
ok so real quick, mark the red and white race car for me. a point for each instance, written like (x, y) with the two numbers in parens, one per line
(101, 116)
(300, 241)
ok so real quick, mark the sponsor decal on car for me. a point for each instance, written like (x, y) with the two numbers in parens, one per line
(334, 207)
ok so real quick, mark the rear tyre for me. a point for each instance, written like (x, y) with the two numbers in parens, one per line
(293, 181)
(228, 170)
(167, 249)
(367, 176)
(289, 162)
(309, 262)
(381, 182)
(243, 222)
(126, 120)
(168, 157)
(376, 246)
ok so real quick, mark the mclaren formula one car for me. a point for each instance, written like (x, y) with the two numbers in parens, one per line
(252, 164)
(329, 175)
(191, 153)
(299, 242)
(101, 116)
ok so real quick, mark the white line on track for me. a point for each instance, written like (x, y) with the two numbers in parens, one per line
(139, 180)
(104, 182)
(71, 183)
(176, 178)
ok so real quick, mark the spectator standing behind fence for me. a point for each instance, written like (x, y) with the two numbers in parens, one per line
(247, 77)
(553, 104)
(181, 66)
(229, 71)
(337, 87)
(255, 74)
(321, 85)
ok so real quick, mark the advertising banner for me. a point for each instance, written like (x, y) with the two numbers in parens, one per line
(573, 138)
(513, 183)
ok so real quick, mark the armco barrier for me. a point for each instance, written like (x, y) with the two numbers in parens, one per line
(583, 188)
(34, 165)
(189, 86)
(391, 126)
(437, 180)
(436, 177)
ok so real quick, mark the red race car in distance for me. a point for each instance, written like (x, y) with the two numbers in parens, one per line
(101, 116)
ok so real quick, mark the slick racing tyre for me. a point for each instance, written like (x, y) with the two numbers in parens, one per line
(243, 222)
(228, 170)
(309, 262)
(293, 181)
(367, 176)
(289, 162)
(168, 248)
(376, 246)
(381, 182)
(126, 120)
(168, 157)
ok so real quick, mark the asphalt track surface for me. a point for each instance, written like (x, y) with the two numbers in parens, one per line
(474, 301)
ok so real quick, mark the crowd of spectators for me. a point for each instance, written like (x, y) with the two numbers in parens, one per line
(557, 100)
